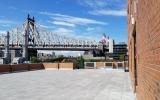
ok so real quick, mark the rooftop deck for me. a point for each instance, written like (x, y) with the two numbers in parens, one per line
(93, 84)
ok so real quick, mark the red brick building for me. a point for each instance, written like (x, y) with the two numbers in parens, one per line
(144, 47)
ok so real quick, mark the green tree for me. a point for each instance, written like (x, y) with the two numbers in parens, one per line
(35, 60)
(80, 62)
(121, 57)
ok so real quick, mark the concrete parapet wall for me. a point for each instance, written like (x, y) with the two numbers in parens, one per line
(120, 64)
(27, 67)
(114, 65)
(66, 65)
(50, 65)
(90, 65)
(108, 64)
(99, 65)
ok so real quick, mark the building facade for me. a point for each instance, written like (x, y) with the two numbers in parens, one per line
(144, 43)
(120, 51)
(45, 56)
(112, 51)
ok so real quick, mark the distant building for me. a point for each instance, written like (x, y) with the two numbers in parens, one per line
(15, 54)
(1, 54)
(119, 50)
(44, 56)
(112, 50)
(12, 54)
(111, 45)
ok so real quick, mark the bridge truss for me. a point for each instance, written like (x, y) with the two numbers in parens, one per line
(41, 37)
(32, 36)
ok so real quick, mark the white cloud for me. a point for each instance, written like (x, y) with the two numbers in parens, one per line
(63, 31)
(94, 3)
(72, 20)
(76, 20)
(2, 31)
(5, 25)
(45, 26)
(122, 12)
(4, 21)
(90, 33)
(106, 7)
(94, 29)
(62, 23)
(47, 13)
(90, 29)
(87, 35)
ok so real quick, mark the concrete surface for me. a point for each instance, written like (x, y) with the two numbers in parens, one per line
(92, 84)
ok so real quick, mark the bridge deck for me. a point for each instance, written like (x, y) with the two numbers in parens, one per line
(56, 48)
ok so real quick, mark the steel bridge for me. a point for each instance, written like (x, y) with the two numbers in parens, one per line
(32, 36)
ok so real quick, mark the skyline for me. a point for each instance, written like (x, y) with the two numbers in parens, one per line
(87, 19)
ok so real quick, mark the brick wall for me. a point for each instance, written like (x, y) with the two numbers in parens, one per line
(146, 66)
(36, 66)
(19, 67)
(5, 68)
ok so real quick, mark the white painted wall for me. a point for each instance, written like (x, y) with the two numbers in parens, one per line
(111, 45)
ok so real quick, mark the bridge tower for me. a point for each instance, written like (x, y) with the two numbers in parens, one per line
(30, 23)
(6, 52)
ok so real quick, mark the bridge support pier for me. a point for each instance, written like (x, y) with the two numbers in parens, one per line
(32, 53)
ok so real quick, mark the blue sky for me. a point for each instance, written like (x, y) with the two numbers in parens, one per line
(73, 18)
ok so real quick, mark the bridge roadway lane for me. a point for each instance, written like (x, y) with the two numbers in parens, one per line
(55, 48)
(102, 84)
